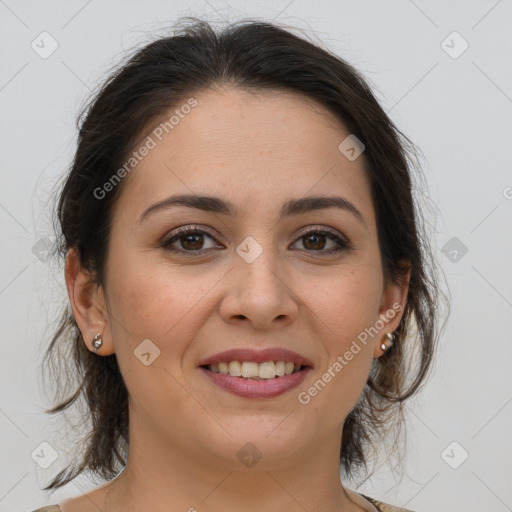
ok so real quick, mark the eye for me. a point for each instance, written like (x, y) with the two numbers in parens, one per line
(189, 238)
(316, 240)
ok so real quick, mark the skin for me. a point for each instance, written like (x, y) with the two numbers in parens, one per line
(256, 150)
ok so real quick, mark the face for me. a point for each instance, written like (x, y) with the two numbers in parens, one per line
(253, 275)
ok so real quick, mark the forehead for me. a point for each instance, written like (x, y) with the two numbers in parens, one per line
(254, 148)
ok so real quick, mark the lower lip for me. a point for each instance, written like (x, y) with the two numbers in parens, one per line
(250, 388)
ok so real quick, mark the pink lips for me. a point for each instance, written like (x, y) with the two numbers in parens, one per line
(251, 388)
(258, 356)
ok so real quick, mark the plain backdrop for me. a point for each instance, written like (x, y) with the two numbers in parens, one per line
(442, 71)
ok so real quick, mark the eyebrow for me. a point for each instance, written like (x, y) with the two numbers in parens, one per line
(290, 207)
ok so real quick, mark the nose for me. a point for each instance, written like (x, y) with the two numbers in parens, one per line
(260, 293)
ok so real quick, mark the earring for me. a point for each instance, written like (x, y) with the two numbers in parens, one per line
(385, 345)
(97, 342)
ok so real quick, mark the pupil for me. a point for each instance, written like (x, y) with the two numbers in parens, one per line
(317, 243)
(190, 239)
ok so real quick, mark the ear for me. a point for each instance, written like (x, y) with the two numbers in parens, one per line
(394, 298)
(88, 304)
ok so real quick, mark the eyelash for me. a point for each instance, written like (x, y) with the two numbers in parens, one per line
(343, 244)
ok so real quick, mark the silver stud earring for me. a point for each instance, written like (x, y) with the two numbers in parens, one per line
(97, 342)
(385, 345)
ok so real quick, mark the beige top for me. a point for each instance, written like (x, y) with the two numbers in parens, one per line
(369, 504)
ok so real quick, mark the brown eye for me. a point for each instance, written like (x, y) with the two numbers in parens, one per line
(317, 240)
(188, 239)
(191, 242)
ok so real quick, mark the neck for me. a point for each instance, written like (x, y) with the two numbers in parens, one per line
(157, 478)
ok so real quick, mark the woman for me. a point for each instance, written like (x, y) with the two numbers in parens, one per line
(252, 299)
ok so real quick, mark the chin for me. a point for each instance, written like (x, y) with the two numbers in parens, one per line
(260, 440)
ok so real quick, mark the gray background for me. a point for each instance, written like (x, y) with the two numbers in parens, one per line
(457, 110)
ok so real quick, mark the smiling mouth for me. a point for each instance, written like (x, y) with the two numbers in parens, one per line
(255, 371)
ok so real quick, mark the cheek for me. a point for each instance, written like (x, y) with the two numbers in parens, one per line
(348, 301)
(346, 307)
(156, 301)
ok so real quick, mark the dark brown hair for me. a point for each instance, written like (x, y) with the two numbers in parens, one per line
(252, 55)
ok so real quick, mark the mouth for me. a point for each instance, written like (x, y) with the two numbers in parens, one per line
(255, 371)
(256, 374)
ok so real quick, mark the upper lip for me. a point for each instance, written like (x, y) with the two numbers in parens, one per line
(257, 356)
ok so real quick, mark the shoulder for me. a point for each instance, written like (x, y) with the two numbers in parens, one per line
(49, 508)
(384, 507)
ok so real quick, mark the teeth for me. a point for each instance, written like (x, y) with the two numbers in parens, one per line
(249, 369)
(267, 370)
(235, 368)
(252, 370)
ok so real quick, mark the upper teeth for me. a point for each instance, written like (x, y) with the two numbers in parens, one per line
(252, 370)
